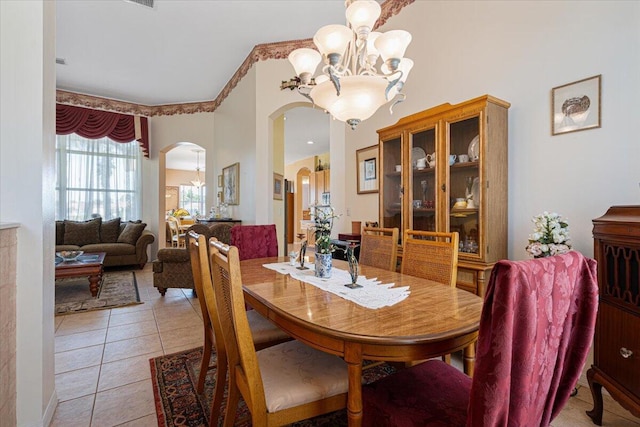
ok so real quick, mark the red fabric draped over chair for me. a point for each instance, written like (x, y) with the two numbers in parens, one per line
(536, 329)
(255, 241)
(94, 124)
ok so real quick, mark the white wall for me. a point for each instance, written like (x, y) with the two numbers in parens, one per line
(27, 106)
(518, 51)
(235, 142)
(278, 214)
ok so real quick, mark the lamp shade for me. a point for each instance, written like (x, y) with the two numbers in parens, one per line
(371, 43)
(363, 13)
(405, 66)
(321, 78)
(305, 60)
(332, 39)
(360, 97)
(393, 44)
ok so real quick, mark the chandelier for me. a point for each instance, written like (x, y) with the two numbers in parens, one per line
(197, 182)
(350, 87)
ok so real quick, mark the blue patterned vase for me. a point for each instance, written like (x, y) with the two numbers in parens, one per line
(323, 265)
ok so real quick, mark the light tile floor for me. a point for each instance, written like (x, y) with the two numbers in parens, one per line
(102, 357)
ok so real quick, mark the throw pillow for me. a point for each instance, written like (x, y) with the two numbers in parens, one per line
(131, 233)
(82, 232)
(110, 230)
(59, 232)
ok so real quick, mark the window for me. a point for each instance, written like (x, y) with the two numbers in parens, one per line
(192, 199)
(97, 177)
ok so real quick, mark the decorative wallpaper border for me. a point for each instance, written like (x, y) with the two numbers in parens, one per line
(261, 52)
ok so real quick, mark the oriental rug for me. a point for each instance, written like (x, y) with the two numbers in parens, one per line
(174, 378)
(118, 289)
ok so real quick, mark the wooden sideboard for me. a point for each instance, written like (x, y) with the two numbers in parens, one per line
(616, 364)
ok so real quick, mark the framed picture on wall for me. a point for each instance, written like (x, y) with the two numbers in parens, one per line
(219, 181)
(576, 106)
(367, 169)
(231, 184)
(278, 186)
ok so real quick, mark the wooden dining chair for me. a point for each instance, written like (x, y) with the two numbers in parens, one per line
(379, 247)
(431, 255)
(197, 241)
(177, 236)
(265, 333)
(536, 330)
(280, 384)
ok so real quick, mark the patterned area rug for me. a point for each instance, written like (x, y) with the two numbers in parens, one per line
(119, 288)
(174, 377)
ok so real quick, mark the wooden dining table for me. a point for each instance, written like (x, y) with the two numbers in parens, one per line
(433, 320)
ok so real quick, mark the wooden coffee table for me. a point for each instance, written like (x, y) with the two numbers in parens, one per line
(90, 265)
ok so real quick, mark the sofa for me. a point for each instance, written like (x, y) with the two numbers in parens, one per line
(172, 268)
(125, 243)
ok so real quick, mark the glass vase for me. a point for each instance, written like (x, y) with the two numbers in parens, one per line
(323, 264)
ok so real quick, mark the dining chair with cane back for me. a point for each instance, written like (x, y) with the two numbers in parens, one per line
(177, 236)
(280, 384)
(265, 333)
(431, 255)
(196, 241)
(536, 329)
(379, 247)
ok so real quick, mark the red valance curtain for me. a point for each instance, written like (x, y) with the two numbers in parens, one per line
(94, 124)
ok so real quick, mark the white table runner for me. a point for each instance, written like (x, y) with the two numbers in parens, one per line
(373, 294)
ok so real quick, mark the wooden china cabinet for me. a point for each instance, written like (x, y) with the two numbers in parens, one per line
(445, 192)
(616, 346)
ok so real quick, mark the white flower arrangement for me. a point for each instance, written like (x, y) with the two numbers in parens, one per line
(323, 217)
(550, 235)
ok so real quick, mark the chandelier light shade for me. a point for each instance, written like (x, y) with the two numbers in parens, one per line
(198, 182)
(350, 87)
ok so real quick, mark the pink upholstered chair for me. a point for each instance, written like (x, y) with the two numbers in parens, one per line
(536, 328)
(255, 241)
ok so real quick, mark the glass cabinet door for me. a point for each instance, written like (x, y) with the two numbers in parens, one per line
(423, 179)
(465, 189)
(392, 185)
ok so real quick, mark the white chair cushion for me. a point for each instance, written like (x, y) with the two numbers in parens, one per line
(263, 330)
(294, 374)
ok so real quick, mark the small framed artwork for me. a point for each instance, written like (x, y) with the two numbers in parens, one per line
(231, 184)
(576, 106)
(367, 169)
(278, 186)
(219, 181)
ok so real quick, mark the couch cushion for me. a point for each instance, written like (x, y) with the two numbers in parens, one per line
(110, 230)
(131, 233)
(82, 232)
(59, 232)
(111, 248)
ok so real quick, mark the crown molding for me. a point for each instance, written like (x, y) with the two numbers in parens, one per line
(261, 52)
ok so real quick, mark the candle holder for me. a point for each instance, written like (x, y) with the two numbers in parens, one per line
(303, 251)
(353, 267)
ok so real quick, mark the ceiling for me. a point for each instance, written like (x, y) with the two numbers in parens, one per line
(184, 51)
(179, 50)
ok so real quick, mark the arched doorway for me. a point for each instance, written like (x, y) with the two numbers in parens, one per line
(306, 140)
(182, 183)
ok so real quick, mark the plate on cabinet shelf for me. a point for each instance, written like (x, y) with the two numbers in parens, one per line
(474, 149)
(417, 153)
(475, 190)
